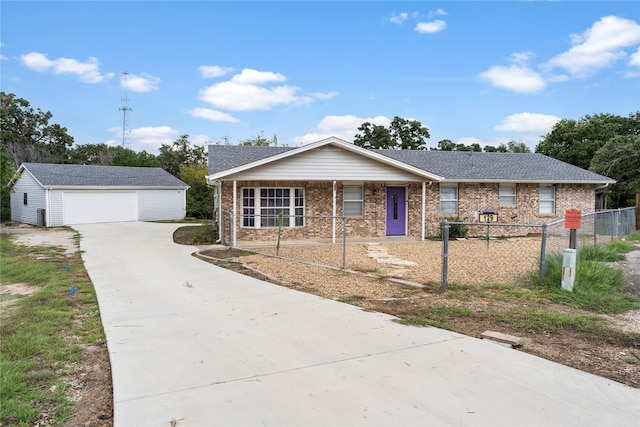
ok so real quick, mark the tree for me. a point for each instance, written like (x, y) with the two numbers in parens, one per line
(260, 141)
(110, 155)
(199, 195)
(90, 154)
(448, 145)
(409, 134)
(619, 159)
(576, 142)
(374, 137)
(401, 134)
(510, 147)
(7, 173)
(182, 152)
(26, 134)
(126, 157)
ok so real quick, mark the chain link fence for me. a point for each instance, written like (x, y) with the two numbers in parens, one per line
(466, 253)
(314, 239)
(511, 255)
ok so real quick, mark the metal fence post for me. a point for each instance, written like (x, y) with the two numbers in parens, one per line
(231, 242)
(543, 248)
(445, 254)
(595, 229)
(344, 242)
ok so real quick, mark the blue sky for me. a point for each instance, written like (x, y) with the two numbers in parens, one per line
(471, 71)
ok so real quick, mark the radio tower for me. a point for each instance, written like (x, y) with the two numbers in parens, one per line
(125, 109)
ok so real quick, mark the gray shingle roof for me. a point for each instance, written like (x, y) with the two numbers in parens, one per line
(452, 165)
(101, 176)
(465, 165)
(225, 157)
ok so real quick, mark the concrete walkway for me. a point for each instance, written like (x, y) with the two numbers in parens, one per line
(192, 344)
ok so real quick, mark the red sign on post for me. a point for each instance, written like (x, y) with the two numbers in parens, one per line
(572, 218)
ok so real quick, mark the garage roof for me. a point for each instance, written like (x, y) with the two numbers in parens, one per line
(58, 175)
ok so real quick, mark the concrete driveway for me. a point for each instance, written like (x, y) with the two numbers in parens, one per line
(192, 344)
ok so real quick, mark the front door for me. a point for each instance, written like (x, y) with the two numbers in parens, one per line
(395, 211)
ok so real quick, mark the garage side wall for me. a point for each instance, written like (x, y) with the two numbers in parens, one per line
(36, 199)
(56, 209)
(161, 204)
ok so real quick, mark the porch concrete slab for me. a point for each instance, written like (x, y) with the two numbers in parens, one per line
(197, 345)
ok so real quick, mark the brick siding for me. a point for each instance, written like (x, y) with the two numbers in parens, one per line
(319, 195)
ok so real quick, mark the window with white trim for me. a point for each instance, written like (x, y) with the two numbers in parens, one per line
(25, 199)
(352, 200)
(507, 194)
(547, 202)
(448, 200)
(272, 207)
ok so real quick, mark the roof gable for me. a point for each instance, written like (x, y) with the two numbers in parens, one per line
(222, 156)
(62, 175)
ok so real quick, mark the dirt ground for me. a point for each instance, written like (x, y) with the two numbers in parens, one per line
(91, 387)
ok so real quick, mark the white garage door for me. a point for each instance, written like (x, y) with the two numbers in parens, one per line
(99, 206)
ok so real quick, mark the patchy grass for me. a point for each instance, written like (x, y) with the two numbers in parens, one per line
(597, 287)
(35, 344)
(195, 235)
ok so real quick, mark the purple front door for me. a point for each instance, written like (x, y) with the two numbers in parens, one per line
(395, 211)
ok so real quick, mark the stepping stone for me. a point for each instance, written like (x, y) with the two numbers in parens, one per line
(499, 337)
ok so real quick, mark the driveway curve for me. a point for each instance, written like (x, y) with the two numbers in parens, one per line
(192, 344)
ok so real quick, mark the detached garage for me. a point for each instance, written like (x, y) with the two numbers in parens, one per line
(53, 195)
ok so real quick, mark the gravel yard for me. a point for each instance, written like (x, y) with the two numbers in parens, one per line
(471, 261)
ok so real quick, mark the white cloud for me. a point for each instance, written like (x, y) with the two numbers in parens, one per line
(515, 78)
(431, 27)
(202, 140)
(528, 122)
(399, 18)
(148, 138)
(254, 77)
(521, 58)
(87, 72)
(436, 13)
(327, 95)
(213, 115)
(139, 82)
(240, 97)
(598, 47)
(634, 59)
(213, 71)
(252, 90)
(344, 127)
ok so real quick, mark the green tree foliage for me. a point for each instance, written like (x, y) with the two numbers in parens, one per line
(619, 159)
(181, 152)
(127, 157)
(576, 142)
(510, 147)
(7, 173)
(199, 195)
(260, 141)
(27, 136)
(402, 134)
(448, 145)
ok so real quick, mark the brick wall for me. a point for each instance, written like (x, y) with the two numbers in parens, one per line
(319, 195)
